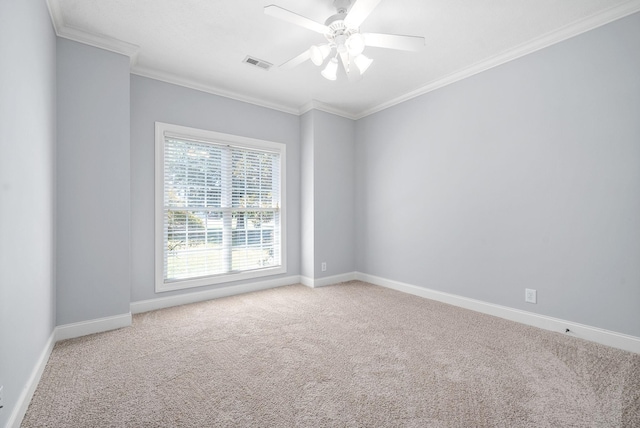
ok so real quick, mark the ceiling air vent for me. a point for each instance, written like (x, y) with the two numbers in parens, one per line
(258, 62)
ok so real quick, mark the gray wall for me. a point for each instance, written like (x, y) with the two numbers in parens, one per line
(307, 253)
(526, 175)
(27, 192)
(152, 101)
(93, 199)
(327, 197)
(334, 191)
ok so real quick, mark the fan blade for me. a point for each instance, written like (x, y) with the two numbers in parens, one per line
(359, 12)
(352, 71)
(294, 18)
(294, 62)
(392, 41)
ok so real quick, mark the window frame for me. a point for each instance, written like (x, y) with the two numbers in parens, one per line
(177, 131)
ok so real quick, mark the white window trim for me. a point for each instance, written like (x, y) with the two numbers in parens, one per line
(178, 131)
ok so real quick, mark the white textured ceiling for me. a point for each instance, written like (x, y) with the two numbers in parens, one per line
(202, 43)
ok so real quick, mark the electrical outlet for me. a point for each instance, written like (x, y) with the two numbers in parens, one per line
(530, 295)
(323, 266)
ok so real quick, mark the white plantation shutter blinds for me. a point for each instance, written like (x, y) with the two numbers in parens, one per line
(221, 209)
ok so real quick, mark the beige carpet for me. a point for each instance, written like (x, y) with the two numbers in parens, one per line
(349, 355)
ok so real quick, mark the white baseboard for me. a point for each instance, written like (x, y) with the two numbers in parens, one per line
(199, 296)
(83, 328)
(20, 409)
(68, 331)
(329, 280)
(593, 334)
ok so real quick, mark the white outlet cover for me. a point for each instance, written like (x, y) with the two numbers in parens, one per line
(530, 295)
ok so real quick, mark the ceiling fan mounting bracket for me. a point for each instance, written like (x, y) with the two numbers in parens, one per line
(342, 6)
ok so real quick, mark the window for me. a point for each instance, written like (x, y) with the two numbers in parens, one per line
(219, 207)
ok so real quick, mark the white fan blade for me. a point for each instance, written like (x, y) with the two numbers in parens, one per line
(359, 12)
(294, 18)
(352, 71)
(294, 62)
(392, 41)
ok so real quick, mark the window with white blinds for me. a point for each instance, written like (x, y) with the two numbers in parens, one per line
(219, 207)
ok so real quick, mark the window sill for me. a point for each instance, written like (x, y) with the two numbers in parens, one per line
(162, 286)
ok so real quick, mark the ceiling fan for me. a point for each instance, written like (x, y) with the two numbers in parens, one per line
(344, 38)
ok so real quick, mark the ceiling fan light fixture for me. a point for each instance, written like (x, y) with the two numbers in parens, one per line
(362, 62)
(355, 44)
(340, 41)
(342, 31)
(330, 72)
(319, 53)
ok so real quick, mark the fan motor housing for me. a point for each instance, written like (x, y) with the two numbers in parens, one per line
(335, 19)
(339, 34)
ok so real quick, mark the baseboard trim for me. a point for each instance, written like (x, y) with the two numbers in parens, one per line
(593, 334)
(98, 325)
(199, 296)
(20, 409)
(329, 280)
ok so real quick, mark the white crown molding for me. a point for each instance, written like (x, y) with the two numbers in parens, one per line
(100, 41)
(88, 38)
(318, 105)
(593, 334)
(192, 84)
(546, 40)
(56, 14)
(131, 50)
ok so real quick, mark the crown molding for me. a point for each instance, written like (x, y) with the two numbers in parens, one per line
(319, 105)
(88, 38)
(100, 41)
(56, 14)
(131, 50)
(192, 84)
(128, 49)
(546, 40)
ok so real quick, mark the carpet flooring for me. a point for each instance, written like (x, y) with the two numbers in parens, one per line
(349, 355)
